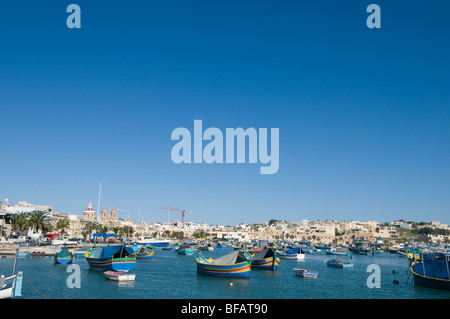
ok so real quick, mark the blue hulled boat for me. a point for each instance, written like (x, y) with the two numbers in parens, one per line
(234, 265)
(144, 253)
(432, 271)
(64, 256)
(185, 249)
(118, 258)
(265, 258)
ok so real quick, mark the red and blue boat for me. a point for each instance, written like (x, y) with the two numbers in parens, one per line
(234, 265)
(117, 258)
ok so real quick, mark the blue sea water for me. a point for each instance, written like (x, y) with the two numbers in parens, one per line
(172, 276)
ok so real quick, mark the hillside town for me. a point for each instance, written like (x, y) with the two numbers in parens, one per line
(82, 226)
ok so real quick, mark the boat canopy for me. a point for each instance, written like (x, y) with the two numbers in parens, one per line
(266, 252)
(231, 258)
(64, 253)
(293, 251)
(118, 251)
(435, 265)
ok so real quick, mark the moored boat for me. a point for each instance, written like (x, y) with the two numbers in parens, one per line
(64, 256)
(118, 258)
(295, 253)
(234, 265)
(154, 242)
(185, 249)
(265, 258)
(119, 275)
(432, 271)
(7, 286)
(337, 263)
(144, 253)
(339, 251)
(306, 273)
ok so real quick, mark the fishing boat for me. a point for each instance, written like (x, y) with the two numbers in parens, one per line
(144, 253)
(295, 253)
(337, 263)
(306, 273)
(80, 253)
(265, 258)
(432, 271)
(42, 242)
(339, 251)
(362, 246)
(233, 265)
(321, 246)
(117, 258)
(119, 275)
(185, 249)
(154, 242)
(64, 256)
(7, 286)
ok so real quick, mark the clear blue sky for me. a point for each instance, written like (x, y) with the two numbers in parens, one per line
(364, 114)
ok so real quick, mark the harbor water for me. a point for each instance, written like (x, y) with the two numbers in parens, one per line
(172, 276)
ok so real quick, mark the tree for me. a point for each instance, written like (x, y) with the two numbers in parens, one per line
(115, 230)
(20, 221)
(127, 230)
(40, 220)
(62, 224)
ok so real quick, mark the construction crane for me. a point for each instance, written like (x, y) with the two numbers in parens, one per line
(176, 210)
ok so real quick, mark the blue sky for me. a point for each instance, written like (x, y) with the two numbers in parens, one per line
(363, 114)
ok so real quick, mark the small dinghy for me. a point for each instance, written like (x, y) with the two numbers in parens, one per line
(119, 276)
(306, 273)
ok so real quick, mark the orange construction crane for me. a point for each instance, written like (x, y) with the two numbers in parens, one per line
(177, 210)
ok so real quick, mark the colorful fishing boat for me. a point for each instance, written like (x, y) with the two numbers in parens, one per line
(433, 271)
(144, 253)
(80, 253)
(231, 265)
(362, 246)
(117, 258)
(63, 257)
(42, 242)
(265, 258)
(337, 263)
(306, 273)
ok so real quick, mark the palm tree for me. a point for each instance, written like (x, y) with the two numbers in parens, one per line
(88, 228)
(115, 230)
(39, 220)
(127, 230)
(20, 221)
(62, 224)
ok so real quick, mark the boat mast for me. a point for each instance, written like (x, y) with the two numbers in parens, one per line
(99, 193)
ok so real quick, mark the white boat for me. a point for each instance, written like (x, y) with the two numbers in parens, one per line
(294, 253)
(153, 241)
(6, 286)
(306, 273)
(119, 276)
